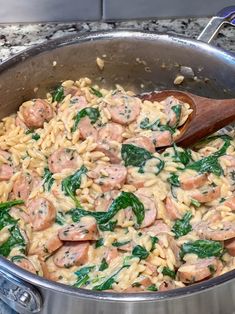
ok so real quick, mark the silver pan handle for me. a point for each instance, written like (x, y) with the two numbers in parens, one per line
(19, 295)
(225, 16)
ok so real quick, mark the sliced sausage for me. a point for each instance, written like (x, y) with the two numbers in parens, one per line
(23, 185)
(150, 210)
(38, 112)
(124, 109)
(42, 213)
(103, 202)
(71, 254)
(175, 249)
(19, 213)
(162, 138)
(171, 115)
(111, 131)
(63, 158)
(110, 254)
(78, 102)
(171, 209)
(143, 142)
(207, 195)
(201, 269)
(87, 129)
(230, 246)
(158, 228)
(109, 177)
(24, 263)
(230, 175)
(84, 230)
(5, 155)
(6, 172)
(217, 231)
(110, 149)
(167, 285)
(230, 202)
(48, 247)
(193, 182)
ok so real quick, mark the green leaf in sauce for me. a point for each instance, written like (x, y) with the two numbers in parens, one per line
(140, 251)
(152, 288)
(109, 226)
(48, 180)
(99, 243)
(202, 248)
(182, 155)
(174, 179)
(72, 183)
(195, 203)
(96, 92)
(124, 200)
(154, 240)
(146, 125)
(60, 219)
(17, 258)
(108, 283)
(58, 94)
(15, 239)
(83, 276)
(120, 244)
(134, 156)
(9, 204)
(177, 111)
(182, 226)
(92, 113)
(168, 272)
(210, 163)
(104, 265)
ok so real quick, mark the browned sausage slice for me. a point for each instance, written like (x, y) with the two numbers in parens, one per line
(84, 230)
(143, 142)
(110, 254)
(87, 129)
(37, 113)
(201, 269)
(124, 109)
(48, 247)
(6, 172)
(207, 195)
(71, 253)
(171, 209)
(150, 213)
(42, 213)
(109, 177)
(161, 138)
(158, 228)
(230, 246)
(193, 182)
(111, 131)
(230, 202)
(63, 158)
(23, 186)
(218, 231)
(110, 149)
(24, 263)
(167, 285)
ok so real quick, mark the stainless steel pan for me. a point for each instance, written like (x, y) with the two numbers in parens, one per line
(142, 61)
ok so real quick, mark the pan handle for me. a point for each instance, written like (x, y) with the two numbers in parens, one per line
(19, 295)
(225, 16)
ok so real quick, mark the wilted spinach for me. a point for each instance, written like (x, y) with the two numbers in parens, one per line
(168, 272)
(182, 226)
(83, 276)
(96, 92)
(58, 94)
(140, 251)
(92, 113)
(202, 248)
(48, 180)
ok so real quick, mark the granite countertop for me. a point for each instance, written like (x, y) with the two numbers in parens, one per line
(15, 38)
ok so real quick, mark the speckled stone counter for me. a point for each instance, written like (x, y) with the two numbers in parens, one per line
(15, 38)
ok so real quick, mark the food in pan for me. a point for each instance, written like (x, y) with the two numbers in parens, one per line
(86, 199)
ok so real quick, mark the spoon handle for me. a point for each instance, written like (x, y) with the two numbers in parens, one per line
(209, 115)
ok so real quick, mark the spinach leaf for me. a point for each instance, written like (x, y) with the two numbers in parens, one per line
(108, 283)
(166, 127)
(160, 166)
(15, 239)
(209, 139)
(168, 272)
(48, 180)
(182, 155)
(96, 92)
(195, 203)
(58, 94)
(140, 251)
(104, 265)
(83, 276)
(17, 258)
(72, 183)
(9, 204)
(124, 200)
(146, 125)
(35, 136)
(99, 243)
(182, 226)
(211, 163)
(60, 220)
(174, 179)
(134, 156)
(154, 240)
(92, 113)
(152, 288)
(202, 248)
(120, 244)
(177, 111)
(109, 226)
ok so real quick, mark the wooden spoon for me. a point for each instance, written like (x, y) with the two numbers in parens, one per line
(208, 116)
